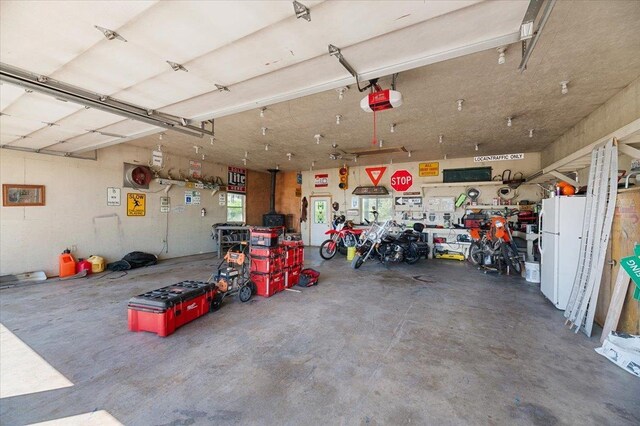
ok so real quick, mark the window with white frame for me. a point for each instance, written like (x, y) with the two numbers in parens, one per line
(383, 205)
(235, 207)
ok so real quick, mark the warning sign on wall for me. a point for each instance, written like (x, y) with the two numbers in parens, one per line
(429, 169)
(136, 204)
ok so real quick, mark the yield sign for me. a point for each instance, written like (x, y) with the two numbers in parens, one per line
(375, 174)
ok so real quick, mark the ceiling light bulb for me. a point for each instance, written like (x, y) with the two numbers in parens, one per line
(203, 157)
(355, 159)
(318, 137)
(264, 131)
(244, 161)
(277, 166)
(212, 139)
(501, 56)
(441, 138)
(476, 147)
(380, 143)
(197, 148)
(266, 147)
(392, 128)
(530, 133)
(338, 117)
(409, 154)
(565, 88)
(159, 148)
(509, 122)
(160, 136)
(289, 155)
(459, 102)
(246, 154)
(262, 112)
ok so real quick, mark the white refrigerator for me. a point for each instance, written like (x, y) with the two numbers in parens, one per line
(560, 230)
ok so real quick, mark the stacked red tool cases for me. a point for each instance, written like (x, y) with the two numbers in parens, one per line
(163, 310)
(274, 264)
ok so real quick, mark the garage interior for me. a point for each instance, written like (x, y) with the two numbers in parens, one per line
(477, 160)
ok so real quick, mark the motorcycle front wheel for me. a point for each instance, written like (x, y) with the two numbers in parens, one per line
(512, 257)
(412, 254)
(326, 250)
(476, 253)
(357, 261)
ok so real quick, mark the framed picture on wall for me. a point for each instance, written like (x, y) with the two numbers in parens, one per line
(17, 195)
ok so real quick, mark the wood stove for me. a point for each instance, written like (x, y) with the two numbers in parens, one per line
(273, 218)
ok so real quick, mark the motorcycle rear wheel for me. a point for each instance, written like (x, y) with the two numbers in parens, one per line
(512, 258)
(325, 249)
(413, 256)
(476, 253)
(357, 261)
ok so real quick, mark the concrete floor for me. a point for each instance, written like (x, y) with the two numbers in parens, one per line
(434, 343)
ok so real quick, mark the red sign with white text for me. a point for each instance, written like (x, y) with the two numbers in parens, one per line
(322, 180)
(401, 180)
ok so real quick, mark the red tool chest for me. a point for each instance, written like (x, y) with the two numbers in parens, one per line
(265, 251)
(163, 310)
(266, 265)
(268, 284)
(266, 237)
(292, 276)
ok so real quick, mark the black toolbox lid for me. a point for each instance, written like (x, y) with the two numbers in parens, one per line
(166, 297)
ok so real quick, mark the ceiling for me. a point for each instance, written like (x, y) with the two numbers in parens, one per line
(443, 51)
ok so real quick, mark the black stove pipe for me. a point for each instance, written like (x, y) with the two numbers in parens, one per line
(272, 199)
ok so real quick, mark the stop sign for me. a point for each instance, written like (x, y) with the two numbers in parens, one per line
(401, 180)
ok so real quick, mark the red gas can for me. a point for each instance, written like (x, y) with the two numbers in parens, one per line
(83, 265)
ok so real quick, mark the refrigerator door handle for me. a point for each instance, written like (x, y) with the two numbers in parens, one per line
(540, 230)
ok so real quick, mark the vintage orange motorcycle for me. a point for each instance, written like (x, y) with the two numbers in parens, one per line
(495, 247)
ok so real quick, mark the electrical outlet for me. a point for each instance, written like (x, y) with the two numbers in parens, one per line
(74, 248)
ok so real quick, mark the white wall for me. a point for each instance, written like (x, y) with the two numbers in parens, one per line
(359, 177)
(76, 211)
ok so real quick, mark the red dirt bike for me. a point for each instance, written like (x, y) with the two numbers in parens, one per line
(495, 248)
(340, 237)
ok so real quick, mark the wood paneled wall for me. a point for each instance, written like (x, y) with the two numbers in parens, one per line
(287, 200)
(258, 190)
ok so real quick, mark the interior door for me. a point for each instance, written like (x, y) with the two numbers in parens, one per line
(320, 219)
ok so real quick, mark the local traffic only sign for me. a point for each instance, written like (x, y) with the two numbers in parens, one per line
(401, 180)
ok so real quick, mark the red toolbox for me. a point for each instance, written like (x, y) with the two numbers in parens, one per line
(268, 284)
(290, 256)
(300, 255)
(292, 276)
(265, 251)
(266, 265)
(163, 310)
(266, 237)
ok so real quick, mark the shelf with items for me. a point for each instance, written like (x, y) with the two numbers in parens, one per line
(228, 236)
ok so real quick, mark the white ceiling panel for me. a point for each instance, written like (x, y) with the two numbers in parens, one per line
(110, 67)
(8, 94)
(42, 36)
(18, 126)
(89, 119)
(167, 88)
(202, 26)
(41, 108)
(46, 136)
(77, 143)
